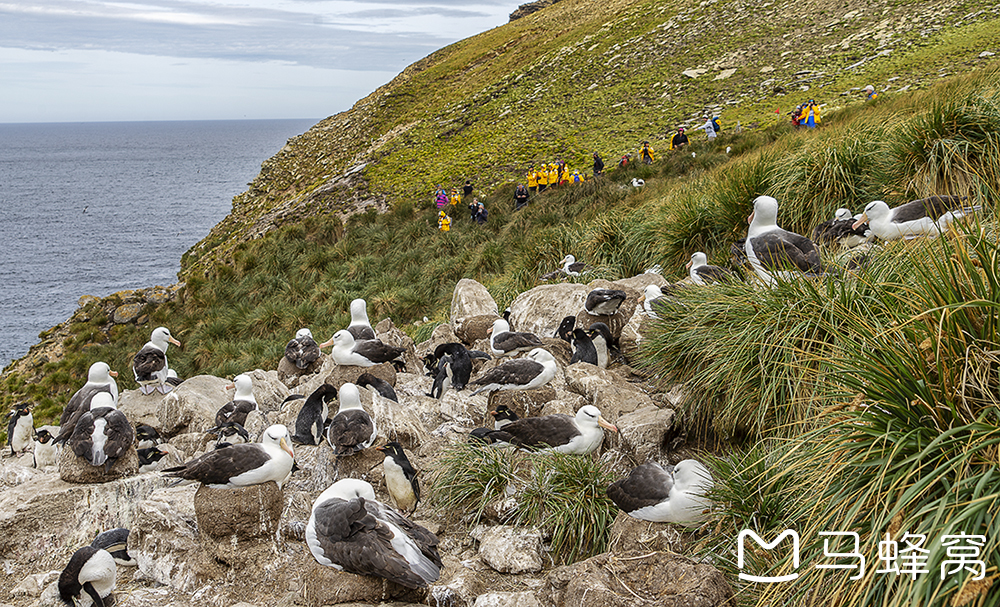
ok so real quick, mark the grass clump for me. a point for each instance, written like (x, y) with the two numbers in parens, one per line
(564, 495)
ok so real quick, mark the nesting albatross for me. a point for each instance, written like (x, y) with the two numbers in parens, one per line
(578, 435)
(924, 217)
(150, 363)
(242, 465)
(528, 373)
(503, 341)
(651, 493)
(102, 434)
(351, 531)
(303, 350)
(777, 254)
(365, 353)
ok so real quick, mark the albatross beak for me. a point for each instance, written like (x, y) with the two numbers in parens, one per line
(750, 218)
(326, 343)
(288, 448)
(113, 373)
(642, 298)
(861, 220)
(688, 266)
(174, 341)
(229, 387)
(606, 424)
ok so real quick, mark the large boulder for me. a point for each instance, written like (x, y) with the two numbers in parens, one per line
(471, 299)
(191, 406)
(525, 403)
(326, 586)
(442, 334)
(290, 374)
(640, 282)
(636, 579)
(606, 390)
(646, 433)
(234, 514)
(75, 469)
(141, 408)
(629, 533)
(394, 421)
(343, 374)
(507, 599)
(471, 329)
(509, 549)
(541, 309)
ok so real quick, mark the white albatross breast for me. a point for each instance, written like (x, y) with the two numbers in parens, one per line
(924, 217)
(651, 493)
(242, 465)
(776, 254)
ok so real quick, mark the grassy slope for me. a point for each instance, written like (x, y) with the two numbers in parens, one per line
(486, 108)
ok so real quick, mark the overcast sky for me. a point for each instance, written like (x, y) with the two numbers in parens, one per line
(95, 60)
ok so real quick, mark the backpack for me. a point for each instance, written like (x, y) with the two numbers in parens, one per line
(715, 125)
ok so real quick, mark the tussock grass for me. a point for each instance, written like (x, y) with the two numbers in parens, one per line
(564, 495)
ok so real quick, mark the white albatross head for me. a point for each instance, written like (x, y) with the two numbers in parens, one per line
(765, 214)
(359, 313)
(161, 339)
(590, 416)
(347, 489)
(843, 214)
(349, 397)
(303, 333)
(875, 211)
(277, 435)
(102, 399)
(100, 373)
(244, 388)
(698, 259)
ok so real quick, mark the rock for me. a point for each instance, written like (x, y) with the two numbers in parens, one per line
(541, 309)
(86, 300)
(75, 469)
(343, 374)
(394, 421)
(615, 580)
(693, 73)
(191, 406)
(471, 299)
(525, 403)
(725, 74)
(619, 319)
(317, 468)
(471, 329)
(389, 334)
(985, 54)
(126, 313)
(141, 408)
(510, 549)
(243, 513)
(442, 334)
(646, 433)
(560, 349)
(43, 521)
(507, 599)
(365, 465)
(327, 586)
(629, 533)
(164, 540)
(193, 444)
(639, 282)
(268, 389)
(606, 390)
(34, 584)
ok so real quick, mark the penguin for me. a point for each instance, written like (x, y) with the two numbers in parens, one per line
(20, 428)
(367, 380)
(565, 330)
(502, 416)
(45, 452)
(400, 478)
(442, 381)
(91, 571)
(600, 336)
(146, 437)
(230, 433)
(312, 416)
(115, 541)
(461, 363)
(151, 459)
(583, 348)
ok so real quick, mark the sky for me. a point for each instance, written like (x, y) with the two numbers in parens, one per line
(98, 60)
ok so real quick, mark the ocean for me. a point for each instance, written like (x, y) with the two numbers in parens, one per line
(93, 208)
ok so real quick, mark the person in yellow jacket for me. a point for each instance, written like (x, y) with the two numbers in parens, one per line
(542, 177)
(646, 153)
(553, 174)
(455, 198)
(444, 222)
(532, 181)
(810, 114)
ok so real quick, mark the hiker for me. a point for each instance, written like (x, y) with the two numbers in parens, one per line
(467, 189)
(870, 93)
(520, 197)
(473, 208)
(624, 161)
(532, 181)
(553, 174)
(810, 115)
(542, 177)
(455, 198)
(646, 153)
(440, 197)
(444, 222)
(679, 139)
(576, 177)
(708, 127)
(479, 212)
(598, 165)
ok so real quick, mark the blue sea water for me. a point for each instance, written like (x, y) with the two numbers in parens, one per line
(94, 208)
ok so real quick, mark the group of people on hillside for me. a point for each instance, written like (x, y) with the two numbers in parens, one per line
(442, 200)
(806, 114)
(551, 174)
